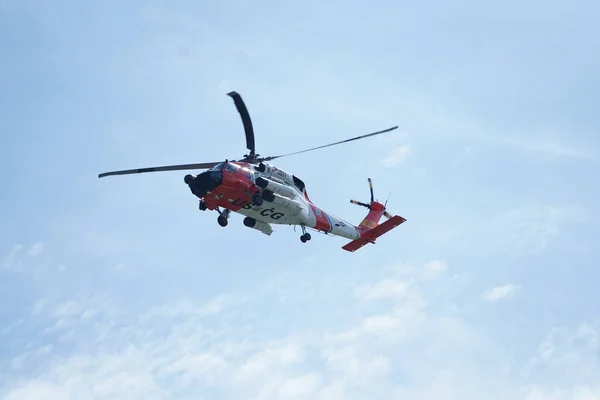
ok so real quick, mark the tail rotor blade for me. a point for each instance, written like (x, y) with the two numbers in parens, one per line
(359, 203)
(387, 215)
(371, 189)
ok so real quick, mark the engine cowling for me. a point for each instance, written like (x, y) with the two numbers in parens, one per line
(275, 187)
(287, 203)
(275, 173)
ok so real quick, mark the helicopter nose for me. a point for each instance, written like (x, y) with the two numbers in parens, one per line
(188, 179)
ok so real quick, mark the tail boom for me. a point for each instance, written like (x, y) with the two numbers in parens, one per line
(376, 211)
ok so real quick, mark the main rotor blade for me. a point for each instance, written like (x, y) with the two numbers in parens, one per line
(248, 129)
(333, 144)
(157, 169)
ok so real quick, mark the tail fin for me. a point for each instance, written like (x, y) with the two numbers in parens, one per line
(369, 228)
(376, 211)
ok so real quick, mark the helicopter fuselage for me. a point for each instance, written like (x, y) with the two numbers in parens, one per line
(234, 186)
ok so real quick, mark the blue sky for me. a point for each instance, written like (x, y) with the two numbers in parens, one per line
(120, 288)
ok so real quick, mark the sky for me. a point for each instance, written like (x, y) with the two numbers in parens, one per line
(121, 288)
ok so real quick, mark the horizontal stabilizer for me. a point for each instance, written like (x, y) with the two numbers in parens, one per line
(372, 234)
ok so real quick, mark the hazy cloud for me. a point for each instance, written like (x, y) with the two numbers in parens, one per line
(435, 268)
(500, 292)
(384, 289)
(396, 156)
(36, 249)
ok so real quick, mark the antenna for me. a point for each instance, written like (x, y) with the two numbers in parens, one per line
(388, 197)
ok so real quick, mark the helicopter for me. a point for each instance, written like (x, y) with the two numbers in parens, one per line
(267, 195)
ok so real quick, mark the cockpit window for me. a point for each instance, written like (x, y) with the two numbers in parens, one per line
(216, 178)
(230, 168)
(206, 181)
(218, 167)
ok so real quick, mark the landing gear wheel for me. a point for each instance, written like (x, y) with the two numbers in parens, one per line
(257, 200)
(305, 235)
(222, 220)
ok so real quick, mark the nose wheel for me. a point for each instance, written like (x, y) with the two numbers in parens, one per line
(305, 235)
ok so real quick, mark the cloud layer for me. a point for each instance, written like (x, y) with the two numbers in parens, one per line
(394, 344)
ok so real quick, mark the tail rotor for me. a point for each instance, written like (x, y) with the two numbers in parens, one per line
(370, 228)
(370, 205)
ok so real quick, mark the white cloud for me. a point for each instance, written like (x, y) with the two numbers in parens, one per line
(299, 387)
(11, 261)
(379, 324)
(431, 270)
(138, 356)
(435, 268)
(570, 350)
(165, 355)
(499, 292)
(390, 138)
(334, 391)
(39, 390)
(16, 260)
(350, 365)
(216, 305)
(396, 156)
(393, 344)
(381, 290)
(11, 326)
(189, 368)
(577, 393)
(264, 361)
(36, 249)
(183, 308)
(534, 227)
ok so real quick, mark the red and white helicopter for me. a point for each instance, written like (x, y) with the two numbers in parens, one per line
(267, 195)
